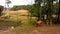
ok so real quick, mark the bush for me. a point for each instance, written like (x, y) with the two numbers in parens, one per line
(14, 8)
(1, 9)
(18, 7)
(29, 22)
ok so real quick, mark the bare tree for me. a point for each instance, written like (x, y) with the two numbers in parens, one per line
(8, 2)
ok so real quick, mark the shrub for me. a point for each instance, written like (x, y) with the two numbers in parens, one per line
(1, 9)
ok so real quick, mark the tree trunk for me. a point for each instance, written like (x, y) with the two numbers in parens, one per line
(59, 13)
(39, 10)
(49, 10)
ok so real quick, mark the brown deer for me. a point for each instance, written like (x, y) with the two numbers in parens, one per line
(38, 22)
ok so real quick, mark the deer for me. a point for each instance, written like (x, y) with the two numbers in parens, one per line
(38, 22)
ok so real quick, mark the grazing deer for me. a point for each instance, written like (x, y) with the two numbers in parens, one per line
(38, 22)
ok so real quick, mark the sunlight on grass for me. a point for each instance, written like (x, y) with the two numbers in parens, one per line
(15, 17)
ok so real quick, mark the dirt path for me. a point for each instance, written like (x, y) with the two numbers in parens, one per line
(50, 29)
(4, 29)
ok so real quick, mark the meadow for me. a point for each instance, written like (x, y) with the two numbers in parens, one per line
(14, 18)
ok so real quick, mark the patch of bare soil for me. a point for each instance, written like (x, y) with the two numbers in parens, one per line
(44, 29)
(4, 29)
(51, 29)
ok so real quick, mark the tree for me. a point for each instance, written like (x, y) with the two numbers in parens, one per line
(47, 9)
(1, 9)
(34, 10)
(59, 13)
(8, 2)
(38, 3)
(52, 9)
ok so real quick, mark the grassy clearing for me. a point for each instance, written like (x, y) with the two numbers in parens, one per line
(15, 16)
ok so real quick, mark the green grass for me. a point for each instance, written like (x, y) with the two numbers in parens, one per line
(24, 22)
(9, 23)
(23, 30)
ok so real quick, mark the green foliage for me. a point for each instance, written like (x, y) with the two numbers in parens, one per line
(48, 9)
(34, 10)
(18, 7)
(29, 22)
(1, 9)
(9, 23)
(15, 8)
(55, 8)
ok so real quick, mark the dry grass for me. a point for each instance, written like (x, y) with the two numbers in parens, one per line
(21, 12)
(14, 15)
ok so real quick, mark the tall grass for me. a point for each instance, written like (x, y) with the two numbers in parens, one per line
(9, 23)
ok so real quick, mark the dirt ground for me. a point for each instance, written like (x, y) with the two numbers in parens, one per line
(43, 29)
